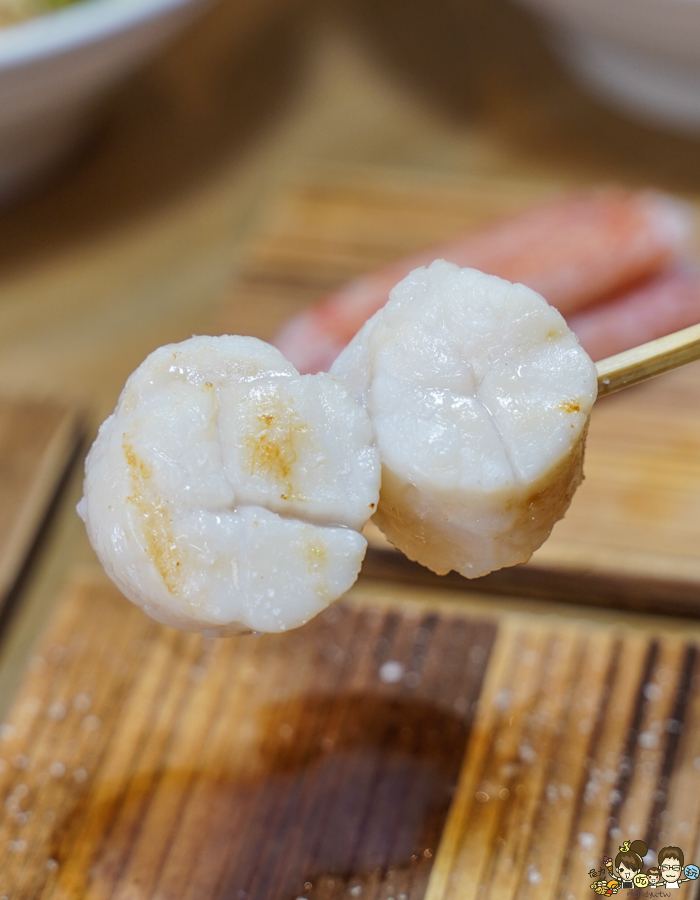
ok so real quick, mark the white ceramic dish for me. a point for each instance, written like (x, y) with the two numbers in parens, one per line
(642, 55)
(54, 68)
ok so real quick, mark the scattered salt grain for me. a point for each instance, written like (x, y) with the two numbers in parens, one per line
(57, 769)
(56, 654)
(652, 691)
(527, 753)
(502, 700)
(391, 672)
(586, 840)
(7, 731)
(80, 774)
(533, 876)
(51, 865)
(82, 702)
(649, 740)
(57, 710)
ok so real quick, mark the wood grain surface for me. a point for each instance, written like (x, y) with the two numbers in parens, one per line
(142, 762)
(632, 534)
(139, 762)
(38, 441)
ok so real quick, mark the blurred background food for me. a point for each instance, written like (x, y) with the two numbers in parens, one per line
(641, 55)
(12, 11)
(57, 59)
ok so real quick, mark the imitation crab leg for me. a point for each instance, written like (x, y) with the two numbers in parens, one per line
(576, 251)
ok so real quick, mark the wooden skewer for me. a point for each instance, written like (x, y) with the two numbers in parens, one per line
(648, 360)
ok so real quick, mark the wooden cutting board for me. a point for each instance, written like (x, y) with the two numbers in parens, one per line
(399, 746)
(38, 441)
(632, 535)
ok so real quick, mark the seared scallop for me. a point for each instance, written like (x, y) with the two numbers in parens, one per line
(480, 398)
(227, 492)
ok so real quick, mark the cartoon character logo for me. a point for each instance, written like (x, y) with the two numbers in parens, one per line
(627, 871)
(629, 862)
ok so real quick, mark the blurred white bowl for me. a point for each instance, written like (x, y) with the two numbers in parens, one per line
(642, 55)
(54, 68)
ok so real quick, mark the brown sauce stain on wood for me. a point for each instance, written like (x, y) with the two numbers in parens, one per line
(354, 794)
(323, 774)
(157, 524)
(275, 439)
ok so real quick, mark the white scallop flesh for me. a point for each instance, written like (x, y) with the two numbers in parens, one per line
(227, 492)
(480, 398)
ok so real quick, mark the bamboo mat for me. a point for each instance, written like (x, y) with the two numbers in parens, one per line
(393, 748)
(632, 534)
(38, 441)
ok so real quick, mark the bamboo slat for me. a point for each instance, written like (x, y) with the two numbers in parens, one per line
(141, 762)
(388, 749)
(38, 441)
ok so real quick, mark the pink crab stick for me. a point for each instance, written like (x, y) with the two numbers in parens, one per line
(574, 251)
(665, 303)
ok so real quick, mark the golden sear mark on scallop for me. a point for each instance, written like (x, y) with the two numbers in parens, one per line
(276, 438)
(157, 524)
(570, 407)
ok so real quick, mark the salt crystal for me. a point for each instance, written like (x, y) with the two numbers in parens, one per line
(586, 840)
(57, 710)
(502, 700)
(527, 753)
(7, 731)
(391, 671)
(649, 740)
(56, 654)
(652, 691)
(82, 702)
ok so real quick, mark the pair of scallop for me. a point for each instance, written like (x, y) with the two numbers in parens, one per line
(227, 492)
